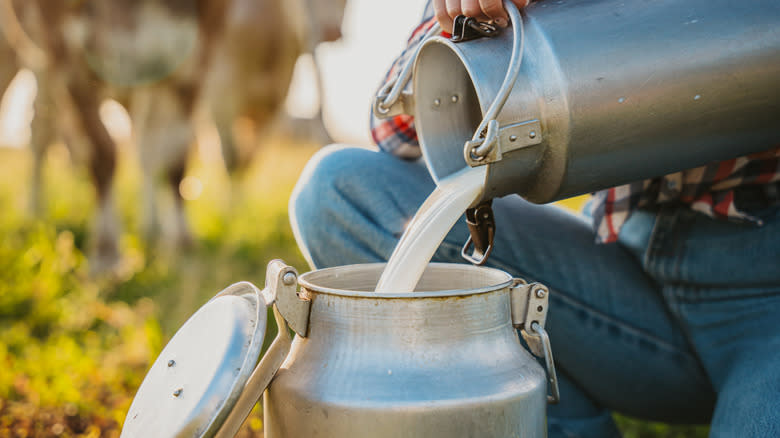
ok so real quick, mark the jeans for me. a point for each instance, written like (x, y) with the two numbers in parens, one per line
(677, 322)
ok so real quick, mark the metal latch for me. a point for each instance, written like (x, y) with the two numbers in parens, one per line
(281, 284)
(529, 313)
(468, 28)
(497, 141)
(482, 230)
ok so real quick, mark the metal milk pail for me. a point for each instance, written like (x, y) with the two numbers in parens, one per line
(444, 361)
(582, 95)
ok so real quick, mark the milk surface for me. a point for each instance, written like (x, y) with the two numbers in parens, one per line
(433, 220)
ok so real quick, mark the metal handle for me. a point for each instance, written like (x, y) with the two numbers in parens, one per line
(529, 303)
(290, 312)
(386, 100)
(486, 135)
(552, 376)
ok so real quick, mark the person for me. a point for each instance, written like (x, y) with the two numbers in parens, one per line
(665, 297)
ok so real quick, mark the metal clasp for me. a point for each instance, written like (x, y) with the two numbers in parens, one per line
(482, 230)
(281, 283)
(468, 28)
(498, 141)
(529, 313)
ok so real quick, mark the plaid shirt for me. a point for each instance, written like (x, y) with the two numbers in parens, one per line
(713, 189)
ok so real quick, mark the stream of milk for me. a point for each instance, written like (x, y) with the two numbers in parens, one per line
(434, 219)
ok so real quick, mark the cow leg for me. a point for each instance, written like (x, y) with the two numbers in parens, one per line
(248, 130)
(164, 133)
(140, 109)
(237, 129)
(222, 102)
(242, 117)
(223, 121)
(176, 171)
(40, 139)
(43, 130)
(240, 129)
(186, 94)
(102, 164)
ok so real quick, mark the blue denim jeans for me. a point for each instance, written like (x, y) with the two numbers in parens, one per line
(677, 322)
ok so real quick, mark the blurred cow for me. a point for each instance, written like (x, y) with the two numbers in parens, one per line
(259, 55)
(154, 56)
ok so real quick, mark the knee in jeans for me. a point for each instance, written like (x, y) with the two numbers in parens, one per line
(325, 181)
(325, 175)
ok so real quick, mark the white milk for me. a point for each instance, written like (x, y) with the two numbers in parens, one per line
(428, 228)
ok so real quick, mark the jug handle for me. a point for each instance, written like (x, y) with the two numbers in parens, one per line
(476, 149)
(390, 100)
(279, 294)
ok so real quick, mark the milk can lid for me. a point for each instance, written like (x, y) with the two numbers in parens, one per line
(197, 379)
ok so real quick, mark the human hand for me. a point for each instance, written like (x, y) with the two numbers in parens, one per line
(482, 10)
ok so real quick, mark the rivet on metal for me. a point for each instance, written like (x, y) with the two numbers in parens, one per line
(177, 392)
(454, 98)
(171, 363)
(436, 102)
(532, 134)
(540, 293)
(512, 138)
(289, 279)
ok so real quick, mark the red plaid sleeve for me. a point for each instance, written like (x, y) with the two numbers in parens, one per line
(710, 190)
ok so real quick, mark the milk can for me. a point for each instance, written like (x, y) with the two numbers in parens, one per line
(579, 96)
(444, 361)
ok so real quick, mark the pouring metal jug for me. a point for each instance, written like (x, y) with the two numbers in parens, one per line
(583, 95)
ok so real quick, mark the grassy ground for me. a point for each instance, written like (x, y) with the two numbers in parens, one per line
(74, 348)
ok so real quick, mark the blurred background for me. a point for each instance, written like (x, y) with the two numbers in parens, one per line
(146, 163)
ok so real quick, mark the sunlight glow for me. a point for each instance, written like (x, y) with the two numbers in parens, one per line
(374, 33)
(116, 119)
(190, 188)
(16, 110)
(303, 98)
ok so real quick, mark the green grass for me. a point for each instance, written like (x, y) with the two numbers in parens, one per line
(74, 348)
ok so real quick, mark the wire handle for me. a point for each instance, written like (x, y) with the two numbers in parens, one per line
(388, 96)
(480, 144)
